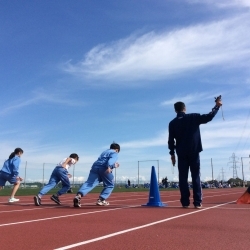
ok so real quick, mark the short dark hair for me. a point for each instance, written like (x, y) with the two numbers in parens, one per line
(74, 156)
(115, 146)
(179, 106)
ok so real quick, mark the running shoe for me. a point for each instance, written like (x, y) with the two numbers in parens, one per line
(37, 200)
(77, 201)
(102, 202)
(198, 207)
(13, 199)
(55, 199)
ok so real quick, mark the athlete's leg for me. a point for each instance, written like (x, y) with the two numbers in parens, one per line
(92, 181)
(108, 183)
(54, 179)
(196, 181)
(63, 175)
(14, 190)
(183, 167)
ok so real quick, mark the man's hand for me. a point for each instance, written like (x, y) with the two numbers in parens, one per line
(19, 178)
(173, 159)
(109, 170)
(218, 101)
(69, 175)
(117, 165)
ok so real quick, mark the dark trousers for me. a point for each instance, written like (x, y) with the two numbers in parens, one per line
(184, 163)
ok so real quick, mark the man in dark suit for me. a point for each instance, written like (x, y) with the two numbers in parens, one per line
(185, 140)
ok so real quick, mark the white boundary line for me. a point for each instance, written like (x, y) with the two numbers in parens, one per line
(114, 204)
(47, 200)
(65, 216)
(136, 228)
(235, 208)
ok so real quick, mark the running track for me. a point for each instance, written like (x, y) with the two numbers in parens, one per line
(125, 224)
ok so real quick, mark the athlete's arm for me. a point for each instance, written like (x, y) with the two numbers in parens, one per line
(209, 117)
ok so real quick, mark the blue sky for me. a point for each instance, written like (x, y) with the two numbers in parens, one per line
(78, 75)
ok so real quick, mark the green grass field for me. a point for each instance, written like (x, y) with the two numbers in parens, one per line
(34, 191)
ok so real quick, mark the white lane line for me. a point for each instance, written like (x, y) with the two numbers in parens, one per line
(57, 206)
(116, 195)
(136, 228)
(164, 194)
(35, 208)
(65, 216)
(234, 208)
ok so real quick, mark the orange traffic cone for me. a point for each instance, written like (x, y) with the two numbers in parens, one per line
(245, 198)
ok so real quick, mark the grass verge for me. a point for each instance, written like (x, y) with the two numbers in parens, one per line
(34, 191)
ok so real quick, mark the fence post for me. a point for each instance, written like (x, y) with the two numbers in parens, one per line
(73, 175)
(43, 174)
(138, 175)
(115, 177)
(25, 174)
(212, 169)
(158, 171)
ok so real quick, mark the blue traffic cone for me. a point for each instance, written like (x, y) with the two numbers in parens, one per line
(154, 194)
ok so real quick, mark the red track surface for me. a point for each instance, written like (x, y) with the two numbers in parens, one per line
(125, 224)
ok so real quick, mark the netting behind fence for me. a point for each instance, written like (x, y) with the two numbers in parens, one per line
(138, 172)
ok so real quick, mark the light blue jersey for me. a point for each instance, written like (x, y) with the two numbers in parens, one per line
(11, 166)
(107, 159)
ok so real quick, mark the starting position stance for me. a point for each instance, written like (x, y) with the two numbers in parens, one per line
(60, 173)
(184, 137)
(101, 171)
(10, 172)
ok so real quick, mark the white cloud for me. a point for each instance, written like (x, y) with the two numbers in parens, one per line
(36, 154)
(176, 178)
(190, 98)
(133, 179)
(38, 97)
(160, 140)
(232, 98)
(221, 134)
(79, 179)
(217, 134)
(161, 55)
(223, 3)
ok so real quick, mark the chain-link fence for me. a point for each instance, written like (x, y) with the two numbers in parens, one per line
(138, 172)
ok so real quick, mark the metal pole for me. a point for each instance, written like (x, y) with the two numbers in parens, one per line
(43, 174)
(212, 170)
(243, 184)
(138, 174)
(158, 171)
(115, 177)
(243, 177)
(73, 175)
(25, 174)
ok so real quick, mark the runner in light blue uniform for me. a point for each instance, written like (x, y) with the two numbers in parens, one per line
(101, 171)
(60, 173)
(10, 173)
